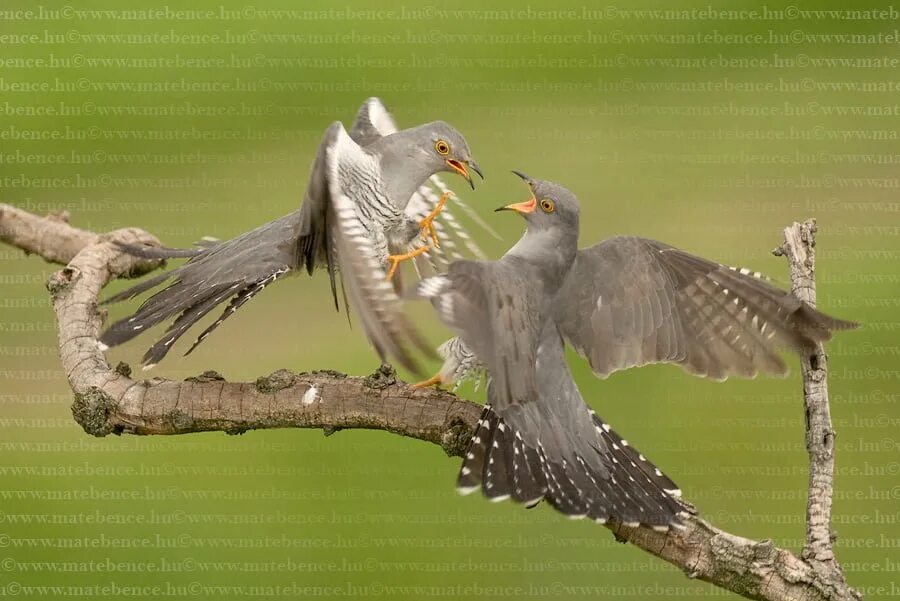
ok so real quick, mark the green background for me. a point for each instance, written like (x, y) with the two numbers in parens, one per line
(714, 152)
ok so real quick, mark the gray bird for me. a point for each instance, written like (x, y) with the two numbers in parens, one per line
(632, 301)
(624, 302)
(361, 216)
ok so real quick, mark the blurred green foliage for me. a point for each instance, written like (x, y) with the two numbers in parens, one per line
(706, 132)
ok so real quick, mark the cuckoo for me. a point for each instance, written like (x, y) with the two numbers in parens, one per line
(362, 214)
(622, 303)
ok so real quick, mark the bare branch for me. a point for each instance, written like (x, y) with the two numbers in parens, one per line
(800, 250)
(109, 401)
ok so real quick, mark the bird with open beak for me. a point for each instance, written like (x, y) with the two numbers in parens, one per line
(621, 303)
(355, 221)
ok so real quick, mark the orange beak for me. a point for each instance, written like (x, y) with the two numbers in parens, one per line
(462, 170)
(521, 207)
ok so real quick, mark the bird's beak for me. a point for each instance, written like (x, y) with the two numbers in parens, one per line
(460, 168)
(522, 207)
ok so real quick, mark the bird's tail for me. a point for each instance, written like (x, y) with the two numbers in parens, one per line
(231, 272)
(624, 486)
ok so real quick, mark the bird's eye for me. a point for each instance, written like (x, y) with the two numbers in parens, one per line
(442, 147)
(547, 205)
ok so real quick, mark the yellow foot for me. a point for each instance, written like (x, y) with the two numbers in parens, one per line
(434, 380)
(427, 224)
(397, 259)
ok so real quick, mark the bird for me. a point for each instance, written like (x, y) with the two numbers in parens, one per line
(632, 301)
(621, 303)
(359, 219)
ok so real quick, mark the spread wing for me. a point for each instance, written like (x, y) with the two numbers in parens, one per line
(497, 323)
(631, 301)
(374, 121)
(370, 295)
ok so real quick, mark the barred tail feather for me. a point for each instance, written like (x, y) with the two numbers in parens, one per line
(616, 484)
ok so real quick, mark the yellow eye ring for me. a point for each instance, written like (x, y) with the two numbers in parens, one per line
(442, 147)
(547, 205)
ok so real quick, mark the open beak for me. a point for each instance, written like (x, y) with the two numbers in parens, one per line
(460, 168)
(522, 207)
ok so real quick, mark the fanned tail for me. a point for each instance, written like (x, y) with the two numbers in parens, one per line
(618, 484)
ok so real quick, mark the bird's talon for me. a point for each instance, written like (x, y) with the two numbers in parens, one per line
(427, 224)
(397, 259)
(435, 380)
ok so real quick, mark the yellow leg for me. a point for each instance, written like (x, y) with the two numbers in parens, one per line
(397, 259)
(427, 224)
(434, 380)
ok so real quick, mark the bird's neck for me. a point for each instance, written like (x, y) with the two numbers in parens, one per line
(551, 252)
(405, 165)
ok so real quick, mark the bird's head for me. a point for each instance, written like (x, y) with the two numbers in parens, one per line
(447, 150)
(550, 206)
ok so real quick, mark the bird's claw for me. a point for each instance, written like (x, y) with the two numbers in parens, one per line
(427, 224)
(435, 380)
(395, 260)
(428, 231)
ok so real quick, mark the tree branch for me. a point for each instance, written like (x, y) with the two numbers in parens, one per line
(109, 401)
(800, 250)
